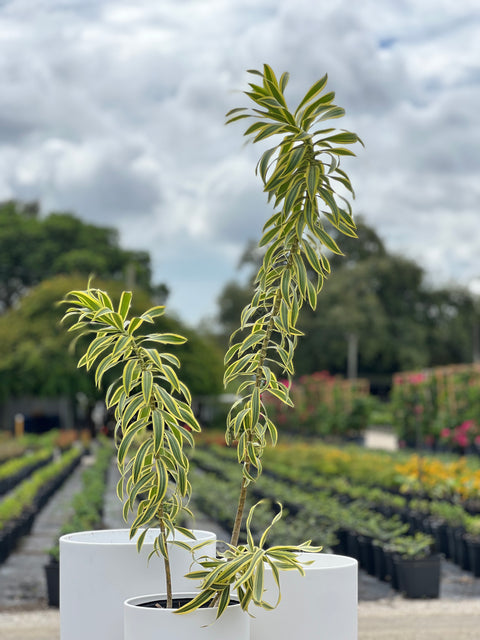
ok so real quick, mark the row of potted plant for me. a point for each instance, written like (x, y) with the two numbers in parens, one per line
(360, 465)
(15, 447)
(85, 512)
(393, 478)
(19, 508)
(17, 469)
(452, 477)
(456, 531)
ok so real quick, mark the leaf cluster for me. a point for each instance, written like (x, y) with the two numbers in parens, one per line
(241, 569)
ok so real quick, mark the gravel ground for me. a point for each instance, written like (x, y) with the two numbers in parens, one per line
(391, 619)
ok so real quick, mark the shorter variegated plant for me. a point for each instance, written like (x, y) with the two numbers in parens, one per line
(241, 570)
(150, 402)
(300, 175)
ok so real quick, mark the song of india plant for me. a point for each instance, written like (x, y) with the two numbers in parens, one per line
(309, 191)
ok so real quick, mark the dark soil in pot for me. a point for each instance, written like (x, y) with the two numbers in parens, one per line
(176, 603)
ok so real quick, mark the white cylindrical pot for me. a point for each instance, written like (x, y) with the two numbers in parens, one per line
(164, 624)
(321, 604)
(99, 570)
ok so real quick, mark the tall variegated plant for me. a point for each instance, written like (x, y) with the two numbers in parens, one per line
(301, 175)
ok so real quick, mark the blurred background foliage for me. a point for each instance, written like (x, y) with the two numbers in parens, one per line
(379, 300)
(41, 259)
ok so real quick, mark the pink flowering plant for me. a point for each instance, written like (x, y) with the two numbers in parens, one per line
(438, 406)
(463, 437)
(323, 405)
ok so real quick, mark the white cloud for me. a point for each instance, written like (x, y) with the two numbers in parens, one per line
(115, 111)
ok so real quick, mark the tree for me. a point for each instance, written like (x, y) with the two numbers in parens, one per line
(33, 248)
(36, 359)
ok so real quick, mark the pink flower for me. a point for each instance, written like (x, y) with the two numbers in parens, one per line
(461, 439)
(467, 426)
(445, 433)
(417, 378)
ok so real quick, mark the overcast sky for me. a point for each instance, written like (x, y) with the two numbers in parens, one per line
(114, 110)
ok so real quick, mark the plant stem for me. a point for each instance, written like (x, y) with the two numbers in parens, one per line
(240, 509)
(258, 380)
(166, 563)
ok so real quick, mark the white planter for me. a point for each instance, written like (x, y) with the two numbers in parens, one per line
(99, 570)
(165, 624)
(321, 604)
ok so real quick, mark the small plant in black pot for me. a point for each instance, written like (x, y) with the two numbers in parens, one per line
(417, 568)
(472, 541)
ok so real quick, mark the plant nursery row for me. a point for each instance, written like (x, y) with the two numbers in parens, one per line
(15, 470)
(16, 447)
(353, 502)
(20, 506)
(85, 512)
(22, 456)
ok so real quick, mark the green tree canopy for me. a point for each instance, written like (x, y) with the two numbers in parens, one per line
(33, 248)
(35, 357)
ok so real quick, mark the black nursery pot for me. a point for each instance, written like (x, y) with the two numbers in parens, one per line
(365, 549)
(439, 532)
(6, 543)
(52, 576)
(379, 562)
(473, 548)
(462, 551)
(453, 547)
(353, 548)
(341, 547)
(418, 578)
(391, 573)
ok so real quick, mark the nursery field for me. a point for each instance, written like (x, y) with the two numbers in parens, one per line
(328, 489)
(383, 508)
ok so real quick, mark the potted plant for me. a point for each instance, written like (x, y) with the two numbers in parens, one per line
(454, 517)
(418, 569)
(472, 542)
(300, 174)
(383, 531)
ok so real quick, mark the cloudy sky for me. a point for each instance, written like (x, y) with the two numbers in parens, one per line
(114, 110)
